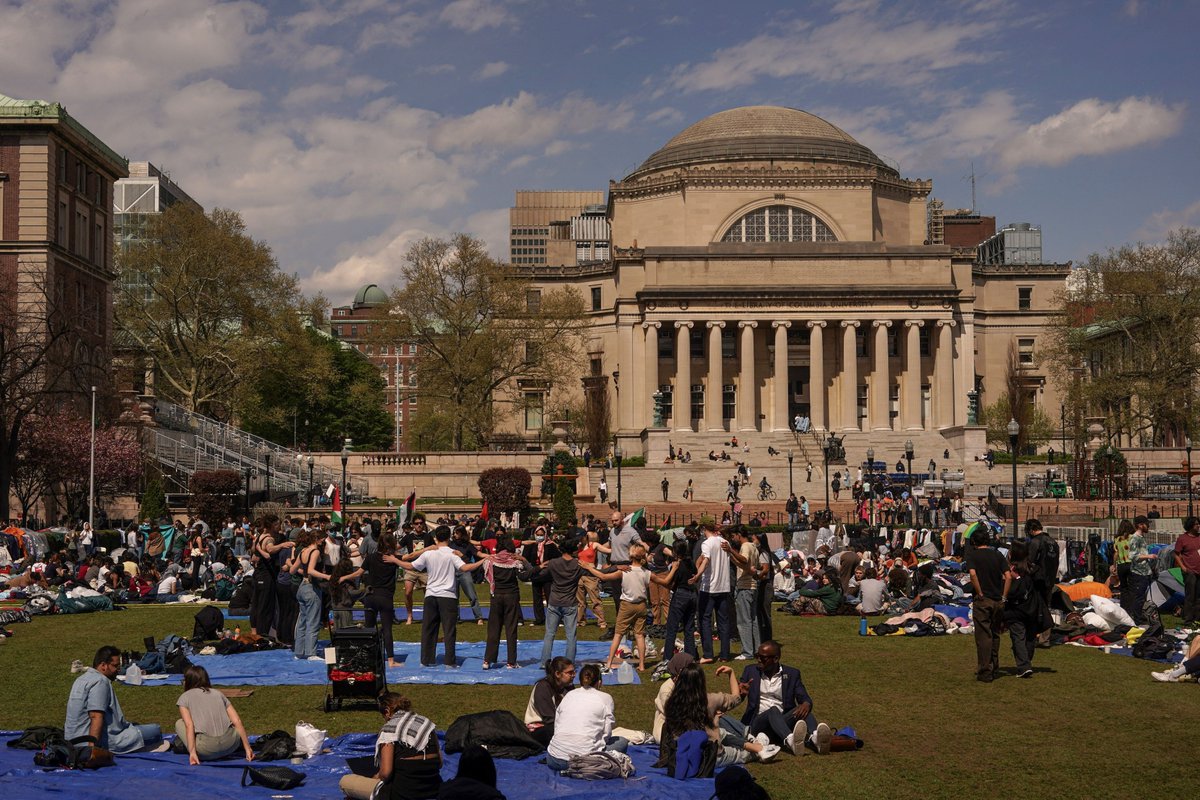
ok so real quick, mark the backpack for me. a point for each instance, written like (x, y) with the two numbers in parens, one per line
(209, 620)
(599, 766)
(695, 756)
(273, 746)
(1047, 561)
(736, 783)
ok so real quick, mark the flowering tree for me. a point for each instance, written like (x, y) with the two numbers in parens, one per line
(55, 456)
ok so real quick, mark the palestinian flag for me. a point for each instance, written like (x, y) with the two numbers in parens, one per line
(483, 513)
(335, 516)
(632, 519)
(405, 512)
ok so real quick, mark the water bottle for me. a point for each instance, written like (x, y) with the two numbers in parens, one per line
(625, 673)
(133, 675)
(862, 626)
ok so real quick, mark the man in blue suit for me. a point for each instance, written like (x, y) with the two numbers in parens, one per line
(778, 705)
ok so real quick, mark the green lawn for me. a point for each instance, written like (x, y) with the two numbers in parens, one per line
(1087, 725)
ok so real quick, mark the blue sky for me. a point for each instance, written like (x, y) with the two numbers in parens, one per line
(343, 131)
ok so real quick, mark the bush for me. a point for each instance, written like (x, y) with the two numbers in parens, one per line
(154, 499)
(564, 504)
(550, 467)
(505, 489)
(213, 494)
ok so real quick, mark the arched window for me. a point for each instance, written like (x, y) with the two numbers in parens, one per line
(779, 224)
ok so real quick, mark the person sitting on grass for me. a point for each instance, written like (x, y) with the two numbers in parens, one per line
(544, 700)
(94, 713)
(824, 600)
(691, 707)
(1188, 669)
(778, 705)
(583, 723)
(635, 592)
(407, 757)
(209, 726)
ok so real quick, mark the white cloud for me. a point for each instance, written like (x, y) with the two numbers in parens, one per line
(380, 261)
(1160, 223)
(557, 148)
(523, 121)
(314, 93)
(435, 69)
(665, 116)
(1093, 127)
(473, 16)
(402, 30)
(493, 69)
(492, 226)
(854, 47)
(33, 37)
(627, 41)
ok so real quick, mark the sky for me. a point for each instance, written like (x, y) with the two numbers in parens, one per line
(345, 131)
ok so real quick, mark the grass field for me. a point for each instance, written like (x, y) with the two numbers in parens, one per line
(1087, 725)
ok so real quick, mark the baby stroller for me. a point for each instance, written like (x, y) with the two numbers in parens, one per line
(357, 671)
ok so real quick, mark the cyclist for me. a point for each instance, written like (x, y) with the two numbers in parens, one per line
(764, 487)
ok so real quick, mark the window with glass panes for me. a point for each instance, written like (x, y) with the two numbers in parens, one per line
(779, 224)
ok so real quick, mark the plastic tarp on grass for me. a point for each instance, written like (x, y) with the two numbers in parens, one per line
(281, 668)
(168, 775)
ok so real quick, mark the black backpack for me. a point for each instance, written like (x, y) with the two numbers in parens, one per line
(736, 783)
(209, 621)
(1045, 558)
(274, 746)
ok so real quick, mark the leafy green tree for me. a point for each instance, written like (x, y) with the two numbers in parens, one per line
(505, 488)
(564, 504)
(1017, 402)
(1128, 344)
(154, 499)
(478, 327)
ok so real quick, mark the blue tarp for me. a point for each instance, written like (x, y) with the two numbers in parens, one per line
(464, 614)
(168, 775)
(281, 668)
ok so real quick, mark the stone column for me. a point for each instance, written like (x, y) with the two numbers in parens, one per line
(713, 420)
(747, 397)
(646, 401)
(966, 363)
(627, 378)
(683, 376)
(910, 398)
(816, 374)
(849, 375)
(879, 399)
(779, 420)
(944, 384)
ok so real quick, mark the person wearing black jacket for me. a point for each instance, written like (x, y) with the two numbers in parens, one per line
(778, 705)
(1025, 613)
(685, 602)
(991, 580)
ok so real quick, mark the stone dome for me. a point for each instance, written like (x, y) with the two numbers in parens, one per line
(760, 133)
(370, 295)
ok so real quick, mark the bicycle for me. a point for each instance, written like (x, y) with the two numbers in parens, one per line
(766, 494)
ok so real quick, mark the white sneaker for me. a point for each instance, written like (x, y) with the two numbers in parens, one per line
(741, 657)
(761, 739)
(797, 737)
(77, 666)
(823, 738)
(789, 744)
(1164, 677)
(768, 752)
(316, 658)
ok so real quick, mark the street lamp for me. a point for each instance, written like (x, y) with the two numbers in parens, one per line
(871, 484)
(268, 487)
(1063, 415)
(619, 455)
(790, 491)
(1112, 454)
(1187, 447)
(1014, 430)
(908, 455)
(345, 458)
(92, 469)
(828, 445)
(311, 488)
(249, 472)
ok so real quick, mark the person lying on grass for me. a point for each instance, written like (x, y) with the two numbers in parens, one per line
(635, 593)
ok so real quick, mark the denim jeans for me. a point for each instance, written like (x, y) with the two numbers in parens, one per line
(718, 602)
(466, 585)
(151, 734)
(746, 603)
(567, 615)
(616, 744)
(308, 620)
(681, 616)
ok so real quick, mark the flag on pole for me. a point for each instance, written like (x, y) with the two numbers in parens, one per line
(336, 515)
(632, 519)
(405, 512)
(483, 514)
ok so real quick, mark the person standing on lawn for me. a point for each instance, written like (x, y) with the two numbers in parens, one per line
(991, 580)
(563, 575)
(712, 577)
(441, 566)
(1187, 558)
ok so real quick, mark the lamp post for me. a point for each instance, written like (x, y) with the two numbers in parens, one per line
(1187, 447)
(1111, 453)
(310, 479)
(908, 455)
(1014, 430)
(790, 492)
(1063, 413)
(249, 470)
(345, 458)
(619, 455)
(92, 469)
(871, 485)
(268, 486)
(825, 452)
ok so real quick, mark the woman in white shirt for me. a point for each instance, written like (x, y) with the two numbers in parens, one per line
(583, 723)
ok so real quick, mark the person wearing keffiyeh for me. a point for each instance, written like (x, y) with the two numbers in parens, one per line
(504, 572)
(407, 757)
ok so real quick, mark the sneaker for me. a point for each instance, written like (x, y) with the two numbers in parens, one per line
(768, 752)
(77, 666)
(1026, 674)
(762, 739)
(162, 747)
(1164, 677)
(823, 738)
(741, 657)
(789, 744)
(485, 666)
(316, 658)
(797, 737)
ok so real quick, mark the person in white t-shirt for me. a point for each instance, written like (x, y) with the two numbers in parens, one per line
(441, 566)
(712, 574)
(583, 722)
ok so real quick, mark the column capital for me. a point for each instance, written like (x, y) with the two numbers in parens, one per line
(684, 324)
(714, 323)
(815, 323)
(881, 323)
(851, 323)
(913, 323)
(947, 323)
(781, 324)
(748, 324)
(648, 325)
